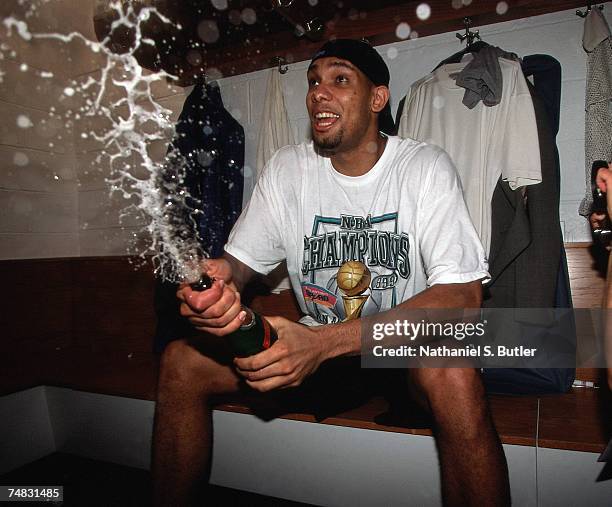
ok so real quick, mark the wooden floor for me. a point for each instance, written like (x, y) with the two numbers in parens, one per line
(94, 483)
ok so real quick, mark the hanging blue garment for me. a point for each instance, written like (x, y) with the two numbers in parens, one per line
(211, 142)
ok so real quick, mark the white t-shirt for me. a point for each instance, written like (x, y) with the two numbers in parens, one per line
(405, 219)
(485, 142)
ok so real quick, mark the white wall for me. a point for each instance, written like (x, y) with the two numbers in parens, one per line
(559, 473)
(53, 195)
(333, 465)
(26, 431)
(57, 204)
(38, 203)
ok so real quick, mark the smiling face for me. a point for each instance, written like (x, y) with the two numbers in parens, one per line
(341, 105)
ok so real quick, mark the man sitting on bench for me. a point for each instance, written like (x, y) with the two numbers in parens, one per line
(392, 205)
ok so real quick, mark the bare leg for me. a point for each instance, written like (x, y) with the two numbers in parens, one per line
(182, 432)
(472, 461)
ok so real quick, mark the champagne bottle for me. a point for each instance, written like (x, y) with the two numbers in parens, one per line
(255, 334)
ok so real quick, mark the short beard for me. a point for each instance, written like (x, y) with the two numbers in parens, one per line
(329, 144)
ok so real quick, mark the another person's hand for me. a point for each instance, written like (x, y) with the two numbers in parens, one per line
(297, 354)
(603, 180)
(216, 310)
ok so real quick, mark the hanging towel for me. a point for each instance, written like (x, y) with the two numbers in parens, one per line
(598, 115)
(596, 30)
(274, 133)
(482, 77)
(275, 130)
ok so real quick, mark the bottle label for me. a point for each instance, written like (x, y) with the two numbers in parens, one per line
(267, 339)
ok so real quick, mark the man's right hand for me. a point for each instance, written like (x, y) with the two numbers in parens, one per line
(216, 310)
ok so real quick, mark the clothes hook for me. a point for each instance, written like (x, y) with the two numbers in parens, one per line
(468, 36)
(279, 60)
(588, 9)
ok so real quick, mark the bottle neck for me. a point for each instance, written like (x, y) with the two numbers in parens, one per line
(249, 321)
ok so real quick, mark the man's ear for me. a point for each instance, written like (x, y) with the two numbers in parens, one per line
(380, 97)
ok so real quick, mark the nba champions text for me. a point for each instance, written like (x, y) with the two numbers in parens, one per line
(372, 247)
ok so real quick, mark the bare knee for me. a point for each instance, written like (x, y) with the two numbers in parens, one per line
(450, 392)
(447, 382)
(185, 369)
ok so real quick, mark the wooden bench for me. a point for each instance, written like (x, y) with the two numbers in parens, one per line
(87, 324)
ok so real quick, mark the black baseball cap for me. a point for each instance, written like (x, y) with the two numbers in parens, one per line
(363, 56)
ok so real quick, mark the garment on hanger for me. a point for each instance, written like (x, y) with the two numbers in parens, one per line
(545, 71)
(596, 30)
(526, 235)
(274, 133)
(482, 77)
(275, 130)
(211, 142)
(598, 109)
(458, 56)
(527, 261)
(484, 142)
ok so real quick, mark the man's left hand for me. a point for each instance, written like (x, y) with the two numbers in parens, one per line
(297, 353)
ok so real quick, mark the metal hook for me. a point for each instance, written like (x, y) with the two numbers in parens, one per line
(588, 9)
(468, 36)
(279, 60)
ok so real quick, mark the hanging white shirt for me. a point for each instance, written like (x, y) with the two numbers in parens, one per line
(274, 133)
(484, 142)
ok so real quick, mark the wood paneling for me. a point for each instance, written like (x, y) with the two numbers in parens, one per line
(36, 308)
(586, 266)
(83, 323)
(580, 420)
(113, 310)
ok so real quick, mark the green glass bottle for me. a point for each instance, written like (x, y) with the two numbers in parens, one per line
(255, 335)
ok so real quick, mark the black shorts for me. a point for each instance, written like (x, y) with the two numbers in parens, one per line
(337, 386)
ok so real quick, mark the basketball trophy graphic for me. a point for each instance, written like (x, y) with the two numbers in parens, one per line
(353, 279)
